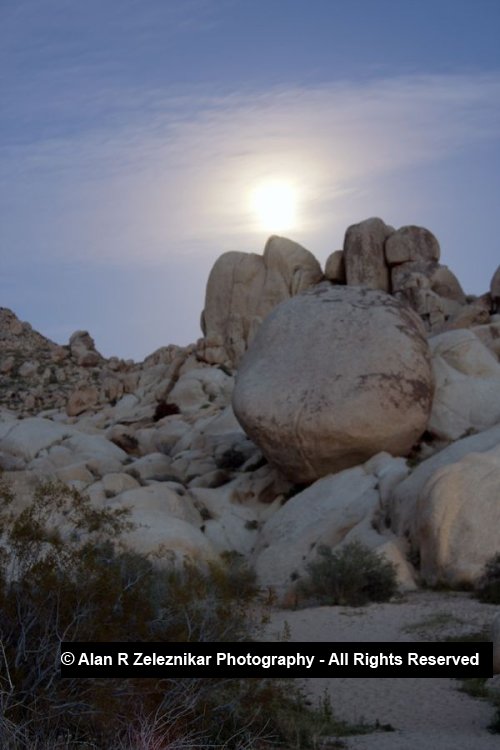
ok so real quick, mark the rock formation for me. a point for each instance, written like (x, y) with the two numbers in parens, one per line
(364, 256)
(467, 377)
(36, 374)
(243, 288)
(367, 404)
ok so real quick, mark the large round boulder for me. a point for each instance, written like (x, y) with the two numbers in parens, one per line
(334, 376)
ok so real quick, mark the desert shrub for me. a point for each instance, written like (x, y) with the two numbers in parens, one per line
(477, 688)
(488, 585)
(65, 576)
(352, 575)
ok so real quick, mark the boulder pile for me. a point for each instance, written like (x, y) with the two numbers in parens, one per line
(361, 402)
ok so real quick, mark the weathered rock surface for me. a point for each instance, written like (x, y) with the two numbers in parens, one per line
(489, 335)
(427, 274)
(334, 376)
(233, 514)
(411, 243)
(458, 520)
(446, 285)
(431, 290)
(81, 400)
(474, 313)
(165, 524)
(200, 388)
(28, 437)
(242, 290)
(334, 510)
(364, 257)
(467, 392)
(404, 497)
(335, 267)
(82, 348)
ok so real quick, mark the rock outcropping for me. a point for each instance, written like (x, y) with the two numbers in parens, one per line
(378, 388)
(242, 290)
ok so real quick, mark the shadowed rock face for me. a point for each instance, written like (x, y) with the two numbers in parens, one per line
(332, 377)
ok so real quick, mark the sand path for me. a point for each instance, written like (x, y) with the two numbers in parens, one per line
(425, 712)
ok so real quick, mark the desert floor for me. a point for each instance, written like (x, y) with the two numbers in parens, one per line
(425, 712)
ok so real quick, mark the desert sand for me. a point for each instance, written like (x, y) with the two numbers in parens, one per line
(424, 712)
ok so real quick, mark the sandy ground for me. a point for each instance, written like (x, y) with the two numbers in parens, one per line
(425, 712)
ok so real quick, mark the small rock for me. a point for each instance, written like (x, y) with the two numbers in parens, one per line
(335, 268)
(83, 350)
(81, 400)
(28, 369)
(154, 466)
(7, 365)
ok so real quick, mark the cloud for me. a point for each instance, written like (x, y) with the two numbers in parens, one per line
(171, 173)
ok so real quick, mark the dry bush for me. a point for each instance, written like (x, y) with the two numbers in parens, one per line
(488, 585)
(65, 577)
(350, 576)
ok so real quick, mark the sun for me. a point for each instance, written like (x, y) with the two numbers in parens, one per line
(274, 204)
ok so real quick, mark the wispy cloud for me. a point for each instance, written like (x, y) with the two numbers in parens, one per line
(172, 173)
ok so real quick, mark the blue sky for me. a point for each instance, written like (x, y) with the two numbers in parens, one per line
(133, 132)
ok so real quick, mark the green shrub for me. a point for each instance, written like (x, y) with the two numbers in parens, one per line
(488, 585)
(352, 575)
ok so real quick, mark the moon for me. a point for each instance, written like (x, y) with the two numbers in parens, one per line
(274, 205)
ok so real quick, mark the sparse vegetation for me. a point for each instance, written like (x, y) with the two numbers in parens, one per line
(436, 621)
(64, 575)
(353, 575)
(488, 586)
(476, 687)
(475, 636)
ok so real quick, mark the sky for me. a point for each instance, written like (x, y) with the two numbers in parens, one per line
(136, 137)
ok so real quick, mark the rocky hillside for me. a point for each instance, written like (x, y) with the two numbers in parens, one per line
(358, 402)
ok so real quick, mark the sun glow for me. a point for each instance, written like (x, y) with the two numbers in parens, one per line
(275, 205)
